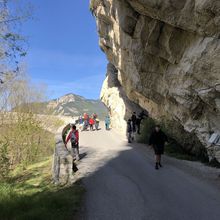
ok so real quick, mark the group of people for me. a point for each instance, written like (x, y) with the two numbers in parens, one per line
(134, 125)
(85, 122)
(157, 138)
(88, 122)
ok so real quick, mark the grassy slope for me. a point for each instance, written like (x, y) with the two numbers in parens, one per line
(30, 194)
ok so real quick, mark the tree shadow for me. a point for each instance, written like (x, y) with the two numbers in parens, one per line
(58, 203)
(128, 187)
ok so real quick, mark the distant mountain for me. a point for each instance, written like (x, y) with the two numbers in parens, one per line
(75, 105)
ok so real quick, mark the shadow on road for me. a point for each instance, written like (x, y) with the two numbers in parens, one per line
(125, 185)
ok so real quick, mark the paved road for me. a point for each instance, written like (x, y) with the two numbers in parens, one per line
(122, 184)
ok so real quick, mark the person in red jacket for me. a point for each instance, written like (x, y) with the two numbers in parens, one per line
(91, 124)
(74, 138)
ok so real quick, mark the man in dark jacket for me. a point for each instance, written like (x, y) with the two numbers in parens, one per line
(157, 141)
(134, 121)
(139, 119)
(129, 130)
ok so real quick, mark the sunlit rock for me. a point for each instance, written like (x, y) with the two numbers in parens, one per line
(167, 58)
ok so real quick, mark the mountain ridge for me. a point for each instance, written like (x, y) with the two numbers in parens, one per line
(75, 105)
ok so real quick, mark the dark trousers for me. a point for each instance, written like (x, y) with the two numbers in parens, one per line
(91, 127)
(134, 127)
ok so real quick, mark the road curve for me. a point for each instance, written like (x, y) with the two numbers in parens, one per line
(122, 184)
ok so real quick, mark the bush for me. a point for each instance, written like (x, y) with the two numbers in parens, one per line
(4, 160)
(23, 142)
(173, 148)
(146, 130)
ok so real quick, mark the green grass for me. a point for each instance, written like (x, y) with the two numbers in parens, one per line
(30, 194)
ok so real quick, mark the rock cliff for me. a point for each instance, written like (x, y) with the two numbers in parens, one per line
(164, 56)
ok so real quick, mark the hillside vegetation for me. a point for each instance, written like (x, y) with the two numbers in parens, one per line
(72, 105)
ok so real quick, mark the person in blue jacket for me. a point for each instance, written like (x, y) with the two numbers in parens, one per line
(107, 123)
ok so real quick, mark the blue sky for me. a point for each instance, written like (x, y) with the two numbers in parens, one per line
(63, 48)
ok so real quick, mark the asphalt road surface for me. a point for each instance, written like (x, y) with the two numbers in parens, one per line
(122, 183)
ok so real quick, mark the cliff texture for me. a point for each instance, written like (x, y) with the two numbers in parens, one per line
(166, 59)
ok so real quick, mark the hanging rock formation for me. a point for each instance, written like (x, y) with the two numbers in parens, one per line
(164, 56)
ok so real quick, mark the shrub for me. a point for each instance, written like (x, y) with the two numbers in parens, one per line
(181, 148)
(146, 130)
(22, 142)
(4, 160)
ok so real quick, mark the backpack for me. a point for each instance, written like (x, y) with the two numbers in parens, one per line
(73, 138)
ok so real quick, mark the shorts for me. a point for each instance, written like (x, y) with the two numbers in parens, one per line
(158, 150)
(74, 145)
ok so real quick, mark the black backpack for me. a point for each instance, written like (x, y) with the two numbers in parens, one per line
(73, 138)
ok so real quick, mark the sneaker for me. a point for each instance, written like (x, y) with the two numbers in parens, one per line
(160, 165)
(156, 166)
(74, 168)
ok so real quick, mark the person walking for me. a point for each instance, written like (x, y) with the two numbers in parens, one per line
(80, 123)
(143, 114)
(97, 124)
(85, 121)
(157, 140)
(95, 116)
(74, 138)
(129, 130)
(134, 121)
(107, 123)
(139, 119)
(91, 123)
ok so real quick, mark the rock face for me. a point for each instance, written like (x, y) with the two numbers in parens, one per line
(165, 57)
(114, 96)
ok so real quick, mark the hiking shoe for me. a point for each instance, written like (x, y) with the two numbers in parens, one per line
(74, 169)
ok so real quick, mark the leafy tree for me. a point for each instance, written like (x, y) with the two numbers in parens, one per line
(12, 44)
(22, 138)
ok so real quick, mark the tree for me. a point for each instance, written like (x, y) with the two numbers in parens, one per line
(22, 138)
(12, 44)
